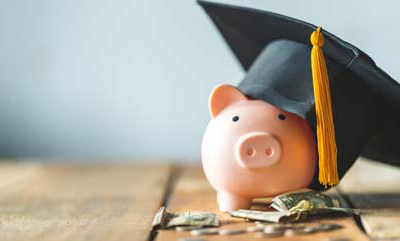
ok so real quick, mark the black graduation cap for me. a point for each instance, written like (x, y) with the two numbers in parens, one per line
(275, 50)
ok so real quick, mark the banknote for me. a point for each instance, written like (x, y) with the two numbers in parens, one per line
(310, 208)
(164, 219)
(311, 202)
(296, 206)
(159, 218)
(315, 199)
(269, 216)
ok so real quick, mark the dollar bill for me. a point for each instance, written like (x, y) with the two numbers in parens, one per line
(289, 215)
(164, 219)
(204, 231)
(296, 206)
(187, 228)
(159, 218)
(315, 199)
(275, 217)
(311, 202)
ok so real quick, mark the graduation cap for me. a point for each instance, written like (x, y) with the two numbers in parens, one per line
(351, 104)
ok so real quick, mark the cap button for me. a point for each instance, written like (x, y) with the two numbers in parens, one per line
(317, 39)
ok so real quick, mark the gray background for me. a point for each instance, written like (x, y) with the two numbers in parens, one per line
(123, 80)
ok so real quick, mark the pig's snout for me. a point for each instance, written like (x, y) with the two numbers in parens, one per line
(257, 150)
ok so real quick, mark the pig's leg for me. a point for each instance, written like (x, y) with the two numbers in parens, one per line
(229, 202)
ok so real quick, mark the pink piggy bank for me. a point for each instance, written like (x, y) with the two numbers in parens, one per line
(252, 149)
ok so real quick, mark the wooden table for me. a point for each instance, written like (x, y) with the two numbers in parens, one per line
(118, 202)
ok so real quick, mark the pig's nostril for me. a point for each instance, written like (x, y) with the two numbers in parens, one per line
(269, 151)
(250, 152)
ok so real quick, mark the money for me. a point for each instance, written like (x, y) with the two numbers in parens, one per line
(269, 235)
(306, 206)
(282, 226)
(310, 202)
(293, 207)
(164, 219)
(260, 223)
(230, 231)
(293, 232)
(271, 231)
(192, 219)
(314, 199)
(327, 226)
(192, 239)
(159, 218)
(311, 229)
(254, 229)
(187, 228)
(273, 228)
(335, 239)
(269, 216)
(204, 231)
(292, 225)
(272, 235)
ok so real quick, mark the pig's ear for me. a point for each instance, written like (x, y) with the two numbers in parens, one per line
(223, 96)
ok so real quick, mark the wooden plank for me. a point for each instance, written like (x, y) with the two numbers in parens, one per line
(56, 202)
(192, 192)
(375, 186)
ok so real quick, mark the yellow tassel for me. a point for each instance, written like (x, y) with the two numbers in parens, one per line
(327, 149)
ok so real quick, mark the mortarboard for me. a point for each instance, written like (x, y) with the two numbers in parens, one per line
(287, 70)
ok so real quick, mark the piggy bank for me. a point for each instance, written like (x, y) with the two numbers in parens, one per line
(307, 95)
(252, 149)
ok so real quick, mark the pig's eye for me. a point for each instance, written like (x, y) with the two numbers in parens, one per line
(235, 118)
(281, 117)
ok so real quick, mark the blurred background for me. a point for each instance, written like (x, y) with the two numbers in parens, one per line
(126, 81)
